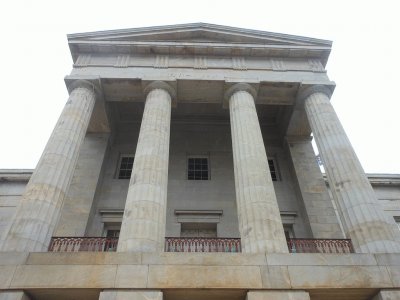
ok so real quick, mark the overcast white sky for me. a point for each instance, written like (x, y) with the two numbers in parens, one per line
(363, 63)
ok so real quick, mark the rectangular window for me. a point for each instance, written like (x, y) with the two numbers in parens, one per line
(273, 170)
(198, 168)
(125, 167)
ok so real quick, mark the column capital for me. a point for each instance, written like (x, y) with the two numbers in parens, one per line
(240, 87)
(92, 84)
(158, 84)
(306, 91)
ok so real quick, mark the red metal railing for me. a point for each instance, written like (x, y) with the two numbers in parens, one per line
(320, 246)
(176, 244)
(75, 244)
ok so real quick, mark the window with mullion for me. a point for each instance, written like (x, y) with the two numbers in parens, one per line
(198, 168)
(125, 167)
(273, 170)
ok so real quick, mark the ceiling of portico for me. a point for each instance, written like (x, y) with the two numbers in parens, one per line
(211, 113)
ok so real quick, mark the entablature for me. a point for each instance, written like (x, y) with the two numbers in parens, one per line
(202, 62)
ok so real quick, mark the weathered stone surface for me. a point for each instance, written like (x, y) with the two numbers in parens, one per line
(13, 295)
(339, 277)
(209, 259)
(6, 275)
(275, 277)
(13, 258)
(64, 276)
(387, 295)
(388, 259)
(260, 224)
(178, 276)
(363, 218)
(143, 225)
(131, 295)
(277, 295)
(394, 273)
(40, 205)
(319, 259)
(84, 258)
(131, 276)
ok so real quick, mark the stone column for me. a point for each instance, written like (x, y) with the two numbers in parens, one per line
(363, 219)
(143, 224)
(260, 223)
(40, 205)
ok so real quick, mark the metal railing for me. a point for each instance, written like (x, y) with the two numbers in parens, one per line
(320, 246)
(178, 244)
(76, 244)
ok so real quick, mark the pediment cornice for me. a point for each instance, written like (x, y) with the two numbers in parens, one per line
(198, 39)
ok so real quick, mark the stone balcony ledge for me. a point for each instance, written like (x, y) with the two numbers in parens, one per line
(212, 270)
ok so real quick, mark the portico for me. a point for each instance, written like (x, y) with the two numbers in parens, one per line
(197, 138)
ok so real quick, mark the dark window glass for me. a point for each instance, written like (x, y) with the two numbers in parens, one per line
(272, 170)
(198, 169)
(125, 168)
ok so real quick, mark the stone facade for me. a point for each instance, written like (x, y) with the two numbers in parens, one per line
(197, 138)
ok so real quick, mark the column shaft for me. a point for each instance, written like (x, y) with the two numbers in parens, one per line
(143, 224)
(362, 216)
(40, 205)
(260, 223)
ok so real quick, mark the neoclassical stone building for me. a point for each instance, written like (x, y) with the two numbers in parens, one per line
(182, 168)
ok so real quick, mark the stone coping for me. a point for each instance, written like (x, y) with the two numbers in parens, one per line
(198, 270)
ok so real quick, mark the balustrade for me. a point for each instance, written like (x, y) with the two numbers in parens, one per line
(178, 244)
(77, 244)
(320, 246)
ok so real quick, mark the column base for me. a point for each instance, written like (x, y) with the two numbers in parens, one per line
(13, 295)
(387, 295)
(131, 295)
(278, 295)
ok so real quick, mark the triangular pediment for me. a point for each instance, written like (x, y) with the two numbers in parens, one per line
(198, 33)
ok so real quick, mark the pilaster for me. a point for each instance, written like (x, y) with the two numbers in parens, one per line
(318, 206)
(81, 193)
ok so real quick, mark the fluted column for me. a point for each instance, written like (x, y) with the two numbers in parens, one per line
(364, 220)
(40, 205)
(143, 224)
(260, 223)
